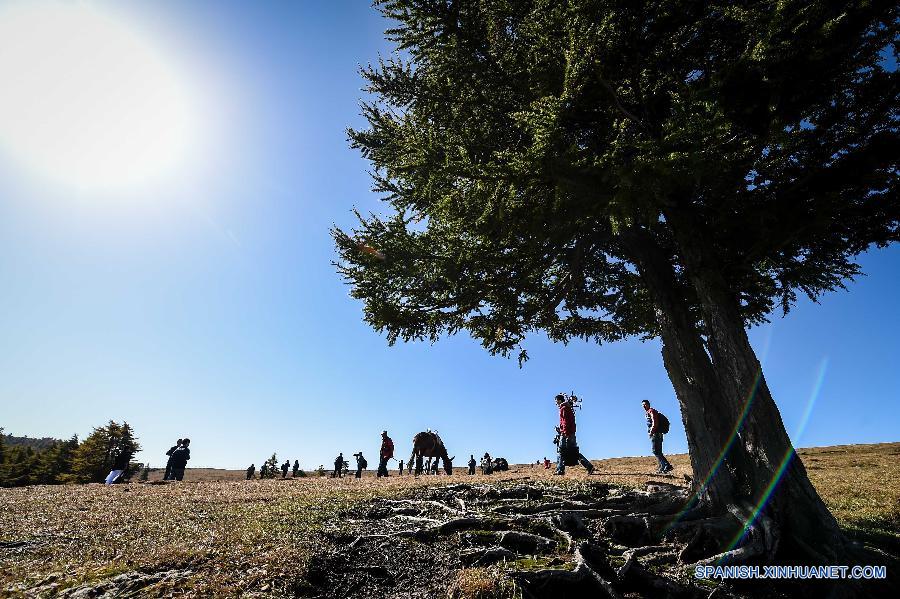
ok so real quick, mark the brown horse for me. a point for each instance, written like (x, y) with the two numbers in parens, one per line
(429, 445)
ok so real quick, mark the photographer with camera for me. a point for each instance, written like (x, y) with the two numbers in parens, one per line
(361, 464)
(566, 444)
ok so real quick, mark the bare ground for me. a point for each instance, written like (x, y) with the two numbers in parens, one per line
(522, 533)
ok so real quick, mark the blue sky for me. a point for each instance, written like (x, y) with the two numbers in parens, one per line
(205, 304)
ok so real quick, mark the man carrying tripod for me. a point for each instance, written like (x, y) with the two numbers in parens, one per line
(566, 444)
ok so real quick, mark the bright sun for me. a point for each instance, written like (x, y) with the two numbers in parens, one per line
(84, 100)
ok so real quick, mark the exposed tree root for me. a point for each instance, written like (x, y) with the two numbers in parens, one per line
(602, 541)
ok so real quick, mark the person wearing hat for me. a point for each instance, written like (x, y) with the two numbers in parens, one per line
(386, 453)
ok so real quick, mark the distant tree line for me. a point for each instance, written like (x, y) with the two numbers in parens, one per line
(25, 461)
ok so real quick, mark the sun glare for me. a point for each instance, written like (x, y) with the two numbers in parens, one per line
(85, 101)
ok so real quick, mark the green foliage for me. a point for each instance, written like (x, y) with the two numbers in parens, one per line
(39, 462)
(523, 147)
(38, 444)
(54, 464)
(93, 458)
(320, 471)
(19, 465)
(272, 467)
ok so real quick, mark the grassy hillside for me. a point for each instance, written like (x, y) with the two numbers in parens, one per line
(235, 536)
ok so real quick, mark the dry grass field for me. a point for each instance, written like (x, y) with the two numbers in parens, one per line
(217, 534)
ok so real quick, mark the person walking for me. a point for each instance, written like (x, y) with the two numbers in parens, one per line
(169, 453)
(386, 453)
(567, 441)
(472, 464)
(657, 426)
(284, 468)
(338, 466)
(296, 468)
(251, 471)
(180, 459)
(401, 468)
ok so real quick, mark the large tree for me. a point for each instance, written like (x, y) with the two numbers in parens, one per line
(94, 457)
(598, 169)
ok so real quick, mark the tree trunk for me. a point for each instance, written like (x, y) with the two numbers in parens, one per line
(777, 479)
(704, 411)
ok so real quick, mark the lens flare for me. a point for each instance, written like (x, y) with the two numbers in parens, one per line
(766, 495)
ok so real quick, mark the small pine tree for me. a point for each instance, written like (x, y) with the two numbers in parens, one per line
(320, 470)
(94, 457)
(272, 466)
(145, 473)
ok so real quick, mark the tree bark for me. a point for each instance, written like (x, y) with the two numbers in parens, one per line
(705, 413)
(778, 483)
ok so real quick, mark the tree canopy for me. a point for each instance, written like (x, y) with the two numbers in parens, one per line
(518, 143)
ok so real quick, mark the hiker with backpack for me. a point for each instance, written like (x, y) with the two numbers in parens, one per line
(657, 426)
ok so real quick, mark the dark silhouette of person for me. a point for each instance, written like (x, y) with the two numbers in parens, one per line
(386, 453)
(487, 466)
(264, 471)
(119, 467)
(250, 471)
(361, 464)
(338, 465)
(169, 453)
(472, 463)
(180, 459)
(284, 468)
(296, 467)
(401, 467)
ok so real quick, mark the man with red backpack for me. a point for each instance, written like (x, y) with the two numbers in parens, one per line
(657, 426)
